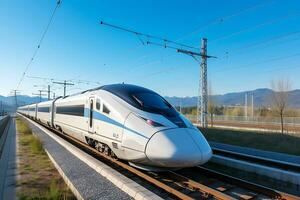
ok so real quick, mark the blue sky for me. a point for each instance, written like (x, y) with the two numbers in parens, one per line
(76, 47)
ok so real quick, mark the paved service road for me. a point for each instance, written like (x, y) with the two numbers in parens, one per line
(8, 164)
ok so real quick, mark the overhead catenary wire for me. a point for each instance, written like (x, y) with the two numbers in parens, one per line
(252, 28)
(58, 3)
(224, 18)
(147, 36)
(221, 19)
(243, 66)
(179, 49)
(276, 38)
(269, 41)
(74, 80)
(259, 62)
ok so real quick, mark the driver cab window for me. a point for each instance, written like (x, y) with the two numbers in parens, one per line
(105, 109)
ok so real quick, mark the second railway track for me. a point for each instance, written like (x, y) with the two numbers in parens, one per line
(192, 183)
(289, 166)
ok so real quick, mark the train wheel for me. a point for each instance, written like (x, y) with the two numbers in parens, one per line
(107, 150)
(99, 147)
(113, 155)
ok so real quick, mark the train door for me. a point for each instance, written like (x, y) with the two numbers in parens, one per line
(91, 114)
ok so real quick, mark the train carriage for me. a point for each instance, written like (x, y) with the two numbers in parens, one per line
(23, 110)
(32, 111)
(129, 122)
(44, 112)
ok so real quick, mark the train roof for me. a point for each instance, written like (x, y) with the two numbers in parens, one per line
(126, 92)
(125, 89)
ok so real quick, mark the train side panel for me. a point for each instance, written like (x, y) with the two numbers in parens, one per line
(43, 112)
(69, 116)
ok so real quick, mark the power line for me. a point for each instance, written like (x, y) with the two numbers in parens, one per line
(39, 42)
(224, 18)
(77, 81)
(259, 62)
(241, 50)
(256, 26)
(147, 36)
(216, 21)
(269, 40)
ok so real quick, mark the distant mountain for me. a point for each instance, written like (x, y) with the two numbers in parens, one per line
(261, 97)
(9, 102)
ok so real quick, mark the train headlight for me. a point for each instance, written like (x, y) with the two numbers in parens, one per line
(152, 123)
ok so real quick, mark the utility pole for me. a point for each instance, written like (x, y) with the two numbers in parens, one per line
(180, 106)
(43, 86)
(15, 92)
(40, 94)
(53, 95)
(48, 92)
(203, 69)
(65, 85)
(246, 105)
(16, 100)
(202, 93)
(252, 105)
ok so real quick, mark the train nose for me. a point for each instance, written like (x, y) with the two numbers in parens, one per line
(182, 147)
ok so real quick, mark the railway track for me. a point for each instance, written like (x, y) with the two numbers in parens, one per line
(288, 166)
(5, 123)
(201, 183)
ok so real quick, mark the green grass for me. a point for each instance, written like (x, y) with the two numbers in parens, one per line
(38, 178)
(277, 142)
(54, 191)
(22, 127)
(36, 145)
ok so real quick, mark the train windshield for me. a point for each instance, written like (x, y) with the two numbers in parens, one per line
(151, 100)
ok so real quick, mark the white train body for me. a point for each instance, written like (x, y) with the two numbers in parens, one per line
(44, 112)
(135, 123)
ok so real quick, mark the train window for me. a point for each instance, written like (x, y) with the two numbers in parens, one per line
(151, 100)
(98, 104)
(43, 109)
(105, 109)
(77, 110)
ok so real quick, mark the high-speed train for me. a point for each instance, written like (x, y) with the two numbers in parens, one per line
(129, 122)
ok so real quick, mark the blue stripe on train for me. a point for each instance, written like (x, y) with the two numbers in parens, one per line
(102, 117)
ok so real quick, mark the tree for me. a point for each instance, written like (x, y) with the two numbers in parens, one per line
(211, 106)
(280, 98)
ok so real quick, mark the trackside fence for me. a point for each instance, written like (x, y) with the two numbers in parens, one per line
(290, 123)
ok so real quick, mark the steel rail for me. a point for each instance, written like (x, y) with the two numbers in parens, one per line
(203, 188)
(7, 122)
(258, 159)
(248, 185)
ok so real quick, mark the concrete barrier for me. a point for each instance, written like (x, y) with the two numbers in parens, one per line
(3, 122)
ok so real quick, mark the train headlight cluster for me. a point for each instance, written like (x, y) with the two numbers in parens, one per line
(152, 123)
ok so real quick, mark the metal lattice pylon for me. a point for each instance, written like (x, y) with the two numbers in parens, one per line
(203, 71)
